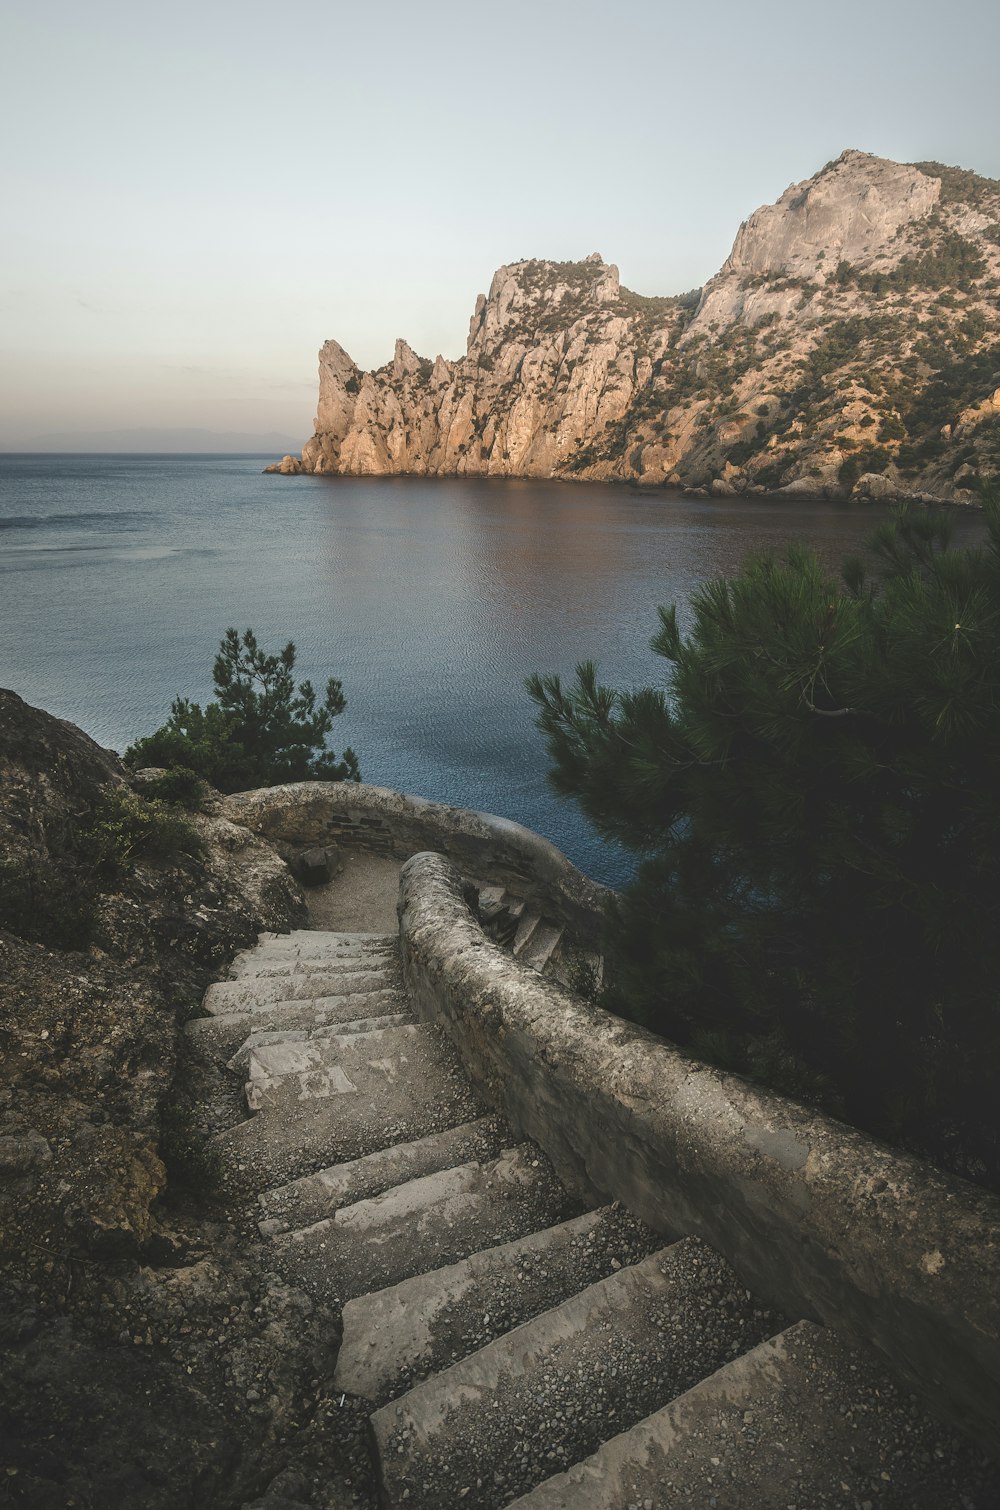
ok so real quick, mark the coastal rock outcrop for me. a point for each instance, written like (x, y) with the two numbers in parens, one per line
(555, 355)
(853, 210)
(853, 330)
(100, 961)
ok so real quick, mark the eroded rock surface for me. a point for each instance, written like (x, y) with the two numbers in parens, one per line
(144, 1359)
(853, 331)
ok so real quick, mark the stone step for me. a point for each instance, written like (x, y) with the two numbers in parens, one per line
(254, 993)
(541, 946)
(507, 920)
(527, 926)
(313, 940)
(578, 969)
(317, 1196)
(258, 965)
(322, 936)
(396, 1337)
(553, 1390)
(265, 1037)
(224, 1032)
(803, 1420)
(553, 964)
(391, 1092)
(433, 1220)
(279, 1073)
(491, 901)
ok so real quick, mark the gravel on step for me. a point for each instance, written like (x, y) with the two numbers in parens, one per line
(265, 959)
(309, 1135)
(397, 1337)
(809, 1420)
(425, 1224)
(319, 1195)
(550, 1408)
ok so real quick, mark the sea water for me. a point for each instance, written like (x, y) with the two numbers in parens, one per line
(431, 600)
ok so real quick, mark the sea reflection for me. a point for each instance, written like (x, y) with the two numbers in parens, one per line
(430, 599)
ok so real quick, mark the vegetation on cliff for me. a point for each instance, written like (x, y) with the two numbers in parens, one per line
(261, 730)
(850, 343)
(814, 796)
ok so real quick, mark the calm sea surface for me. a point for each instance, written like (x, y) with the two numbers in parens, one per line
(431, 600)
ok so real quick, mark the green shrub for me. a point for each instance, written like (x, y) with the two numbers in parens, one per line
(125, 827)
(741, 451)
(813, 798)
(960, 185)
(261, 730)
(178, 785)
(953, 263)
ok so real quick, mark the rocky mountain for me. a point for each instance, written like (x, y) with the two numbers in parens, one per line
(848, 345)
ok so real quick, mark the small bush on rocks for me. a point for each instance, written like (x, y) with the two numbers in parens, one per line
(125, 827)
(178, 785)
(261, 730)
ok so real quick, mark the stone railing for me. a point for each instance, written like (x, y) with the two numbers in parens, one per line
(487, 849)
(817, 1218)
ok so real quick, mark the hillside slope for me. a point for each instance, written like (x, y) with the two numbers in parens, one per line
(849, 344)
(144, 1361)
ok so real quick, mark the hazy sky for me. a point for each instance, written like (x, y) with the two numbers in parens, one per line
(197, 195)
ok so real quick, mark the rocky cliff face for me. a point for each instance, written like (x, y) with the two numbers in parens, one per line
(143, 1360)
(848, 344)
(853, 210)
(556, 354)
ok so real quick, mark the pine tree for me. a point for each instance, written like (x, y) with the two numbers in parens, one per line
(261, 730)
(814, 796)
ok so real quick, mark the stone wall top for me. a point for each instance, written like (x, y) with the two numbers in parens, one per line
(487, 848)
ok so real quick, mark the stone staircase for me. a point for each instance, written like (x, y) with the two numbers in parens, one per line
(538, 941)
(513, 1347)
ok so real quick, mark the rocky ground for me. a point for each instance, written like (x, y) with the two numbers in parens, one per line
(147, 1355)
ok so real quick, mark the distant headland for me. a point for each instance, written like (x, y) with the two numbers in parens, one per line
(848, 347)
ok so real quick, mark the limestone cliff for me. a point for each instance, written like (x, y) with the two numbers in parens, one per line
(849, 343)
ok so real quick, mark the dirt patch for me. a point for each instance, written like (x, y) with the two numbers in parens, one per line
(360, 898)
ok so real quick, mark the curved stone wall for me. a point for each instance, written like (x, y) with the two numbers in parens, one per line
(488, 849)
(817, 1218)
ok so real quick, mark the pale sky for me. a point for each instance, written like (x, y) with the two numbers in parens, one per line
(196, 196)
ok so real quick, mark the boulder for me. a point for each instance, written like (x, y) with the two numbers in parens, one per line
(316, 866)
(875, 486)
